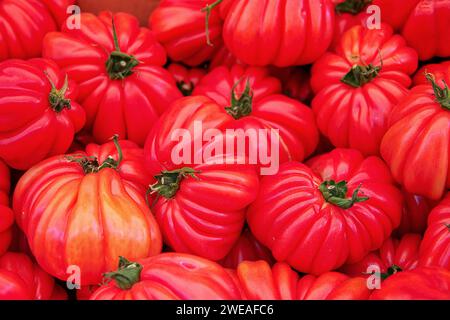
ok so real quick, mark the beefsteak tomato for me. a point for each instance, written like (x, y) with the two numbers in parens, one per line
(441, 71)
(123, 87)
(435, 248)
(415, 214)
(358, 86)
(180, 26)
(169, 276)
(86, 209)
(185, 78)
(332, 211)
(22, 279)
(282, 33)
(295, 82)
(6, 214)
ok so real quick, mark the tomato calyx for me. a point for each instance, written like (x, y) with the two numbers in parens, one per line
(243, 106)
(442, 94)
(360, 75)
(119, 64)
(353, 7)
(336, 193)
(91, 164)
(126, 275)
(186, 88)
(168, 182)
(57, 97)
(208, 9)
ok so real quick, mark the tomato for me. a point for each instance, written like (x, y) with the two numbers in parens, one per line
(23, 25)
(441, 71)
(291, 33)
(123, 87)
(260, 282)
(255, 100)
(415, 213)
(358, 86)
(334, 210)
(6, 214)
(169, 276)
(86, 209)
(393, 256)
(417, 144)
(247, 248)
(295, 82)
(435, 248)
(418, 284)
(186, 78)
(22, 279)
(180, 26)
(41, 116)
(223, 57)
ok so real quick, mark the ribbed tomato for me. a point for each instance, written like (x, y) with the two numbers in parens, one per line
(418, 284)
(334, 210)
(186, 78)
(23, 25)
(417, 144)
(415, 214)
(435, 248)
(123, 87)
(441, 71)
(22, 279)
(180, 26)
(393, 256)
(358, 86)
(86, 209)
(6, 214)
(40, 116)
(247, 248)
(260, 282)
(282, 33)
(223, 57)
(169, 276)
(295, 82)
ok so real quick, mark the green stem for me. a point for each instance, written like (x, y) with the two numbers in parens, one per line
(126, 275)
(57, 98)
(243, 106)
(353, 7)
(360, 75)
(442, 94)
(208, 9)
(390, 271)
(168, 182)
(336, 193)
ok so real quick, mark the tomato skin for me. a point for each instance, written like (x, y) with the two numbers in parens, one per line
(419, 284)
(185, 78)
(180, 26)
(31, 128)
(260, 282)
(59, 208)
(357, 117)
(223, 57)
(292, 218)
(126, 107)
(403, 253)
(6, 214)
(175, 276)
(247, 248)
(415, 213)
(22, 279)
(435, 247)
(441, 71)
(295, 37)
(295, 82)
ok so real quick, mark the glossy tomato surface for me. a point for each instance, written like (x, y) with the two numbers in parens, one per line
(186, 78)
(6, 214)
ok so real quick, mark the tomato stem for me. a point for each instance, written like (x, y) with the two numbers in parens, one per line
(442, 94)
(336, 193)
(353, 7)
(360, 75)
(208, 9)
(243, 106)
(57, 98)
(126, 275)
(168, 182)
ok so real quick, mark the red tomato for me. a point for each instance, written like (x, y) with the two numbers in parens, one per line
(417, 144)
(22, 279)
(261, 108)
(223, 57)
(247, 248)
(123, 87)
(41, 116)
(435, 248)
(260, 282)
(6, 214)
(23, 25)
(185, 78)
(358, 86)
(422, 24)
(334, 210)
(393, 256)
(295, 82)
(169, 276)
(415, 213)
(180, 26)
(441, 71)
(418, 284)
(86, 209)
(282, 33)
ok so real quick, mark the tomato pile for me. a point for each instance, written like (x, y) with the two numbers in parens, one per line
(349, 100)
